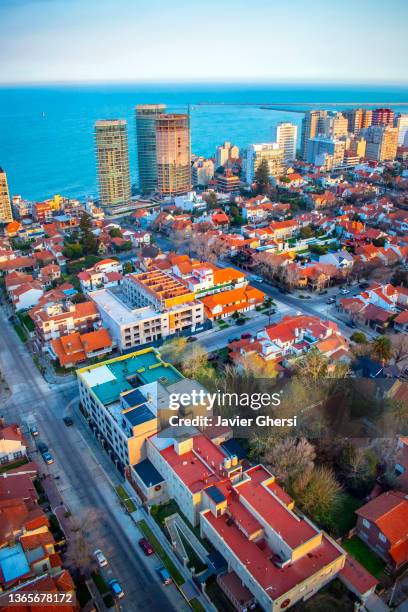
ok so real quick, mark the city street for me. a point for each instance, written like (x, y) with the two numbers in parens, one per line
(86, 475)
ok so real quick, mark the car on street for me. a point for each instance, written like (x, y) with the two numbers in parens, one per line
(68, 421)
(256, 278)
(364, 285)
(351, 324)
(146, 546)
(192, 339)
(331, 300)
(34, 430)
(344, 291)
(232, 340)
(246, 336)
(100, 558)
(48, 458)
(164, 575)
(116, 588)
(323, 292)
(42, 447)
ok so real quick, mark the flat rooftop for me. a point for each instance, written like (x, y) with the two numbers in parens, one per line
(13, 563)
(115, 306)
(162, 285)
(113, 377)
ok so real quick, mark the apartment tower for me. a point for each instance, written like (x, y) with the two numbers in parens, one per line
(173, 154)
(260, 151)
(285, 134)
(313, 124)
(5, 206)
(358, 119)
(383, 116)
(146, 115)
(113, 163)
(382, 142)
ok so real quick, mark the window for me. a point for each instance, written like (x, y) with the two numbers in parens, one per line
(366, 524)
(17, 455)
(382, 537)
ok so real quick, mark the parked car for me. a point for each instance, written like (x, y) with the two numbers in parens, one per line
(100, 558)
(323, 292)
(256, 278)
(192, 339)
(164, 575)
(48, 458)
(344, 291)
(146, 546)
(34, 430)
(42, 447)
(68, 421)
(351, 324)
(331, 300)
(116, 588)
(246, 335)
(232, 340)
(364, 285)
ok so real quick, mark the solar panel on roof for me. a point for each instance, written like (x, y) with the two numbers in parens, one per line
(215, 494)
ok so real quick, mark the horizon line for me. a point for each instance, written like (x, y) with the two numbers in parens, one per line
(208, 80)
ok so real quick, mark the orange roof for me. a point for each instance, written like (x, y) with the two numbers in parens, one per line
(389, 512)
(234, 296)
(225, 275)
(75, 347)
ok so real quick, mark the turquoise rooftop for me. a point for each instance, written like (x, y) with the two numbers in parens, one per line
(111, 378)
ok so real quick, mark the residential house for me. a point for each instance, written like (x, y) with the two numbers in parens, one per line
(13, 445)
(382, 525)
(74, 348)
(224, 304)
(105, 273)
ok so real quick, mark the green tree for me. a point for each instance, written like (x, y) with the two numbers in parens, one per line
(306, 232)
(73, 251)
(211, 200)
(127, 268)
(317, 493)
(88, 239)
(172, 350)
(262, 176)
(115, 233)
(381, 348)
(359, 337)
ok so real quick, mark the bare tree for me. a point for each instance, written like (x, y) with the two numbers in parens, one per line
(79, 549)
(400, 348)
(317, 492)
(172, 350)
(290, 459)
(194, 360)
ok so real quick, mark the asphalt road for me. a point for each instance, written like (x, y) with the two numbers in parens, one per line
(82, 478)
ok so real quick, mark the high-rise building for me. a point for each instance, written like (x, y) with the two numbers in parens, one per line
(226, 152)
(285, 134)
(146, 144)
(202, 171)
(324, 151)
(402, 125)
(173, 154)
(113, 162)
(5, 205)
(382, 142)
(358, 119)
(383, 116)
(313, 124)
(258, 152)
(336, 125)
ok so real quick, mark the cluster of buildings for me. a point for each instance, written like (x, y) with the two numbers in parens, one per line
(271, 554)
(29, 555)
(333, 140)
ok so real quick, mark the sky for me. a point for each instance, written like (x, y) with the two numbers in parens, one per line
(227, 40)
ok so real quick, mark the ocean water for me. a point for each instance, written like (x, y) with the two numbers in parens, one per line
(46, 132)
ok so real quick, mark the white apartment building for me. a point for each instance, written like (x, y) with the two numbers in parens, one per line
(402, 125)
(285, 134)
(133, 326)
(266, 150)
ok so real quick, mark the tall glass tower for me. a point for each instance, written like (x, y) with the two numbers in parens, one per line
(146, 144)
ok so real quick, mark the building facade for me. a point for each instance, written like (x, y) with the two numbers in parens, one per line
(258, 152)
(5, 205)
(358, 119)
(383, 116)
(313, 124)
(113, 163)
(382, 142)
(173, 154)
(402, 125)
(285, 134)
(225, 153)
(325, 151)
(146, 115)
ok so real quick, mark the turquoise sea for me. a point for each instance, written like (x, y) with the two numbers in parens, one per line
(46, 132)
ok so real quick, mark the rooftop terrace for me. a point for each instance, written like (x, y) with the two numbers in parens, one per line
(115, 376)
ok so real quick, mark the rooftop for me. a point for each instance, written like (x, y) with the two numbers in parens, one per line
(13, 563)
(116, 307)
(115, 376)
